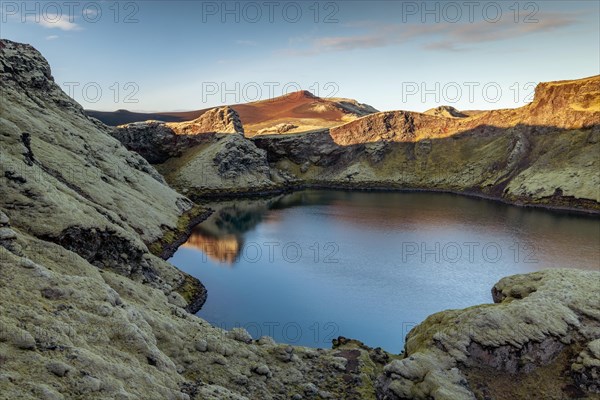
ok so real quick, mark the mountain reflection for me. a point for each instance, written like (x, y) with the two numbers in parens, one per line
(220, 237)
(222, 249)
(417, 216)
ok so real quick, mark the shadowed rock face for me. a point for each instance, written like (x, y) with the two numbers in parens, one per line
(153, 140)
(157, 141)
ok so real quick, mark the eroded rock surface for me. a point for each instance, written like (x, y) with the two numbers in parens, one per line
(153, 140)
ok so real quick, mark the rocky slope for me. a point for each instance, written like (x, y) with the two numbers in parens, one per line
(66, 181)
(88, 311)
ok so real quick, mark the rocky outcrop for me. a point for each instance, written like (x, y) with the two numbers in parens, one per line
(445, 111)
(556, 106)
(352, 106)
(279, 128)
(153, 140)
(157, 141)
(216, 120)
(535, 329)
(226, 166)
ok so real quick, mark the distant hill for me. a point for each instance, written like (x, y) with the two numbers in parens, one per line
(298, 112)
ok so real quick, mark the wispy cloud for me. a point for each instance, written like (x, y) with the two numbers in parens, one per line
(52, 37)
(53, 21)
(90, 12)
(435, 37)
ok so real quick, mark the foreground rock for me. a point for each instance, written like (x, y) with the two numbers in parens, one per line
(71, 330)
(542, 334)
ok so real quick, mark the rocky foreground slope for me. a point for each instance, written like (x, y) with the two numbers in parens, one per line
(89, 311)
(87, 308)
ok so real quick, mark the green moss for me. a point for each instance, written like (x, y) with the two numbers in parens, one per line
(189, 289)
(171, 236)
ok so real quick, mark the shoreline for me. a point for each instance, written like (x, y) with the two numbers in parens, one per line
(217, 195)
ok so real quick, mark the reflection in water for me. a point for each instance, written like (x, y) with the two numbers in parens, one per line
(222, 249)
(220, 237)
(399, 258)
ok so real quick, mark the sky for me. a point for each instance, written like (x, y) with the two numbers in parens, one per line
(410, 55)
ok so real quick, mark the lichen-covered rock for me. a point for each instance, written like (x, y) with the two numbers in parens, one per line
(3, 219)
(539, 319)
(586, 369)
(542, 167)
(114, 337)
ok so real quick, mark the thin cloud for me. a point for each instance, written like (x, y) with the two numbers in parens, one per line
(53, 21)
(90, 12)
(435, 37)
(52, 37)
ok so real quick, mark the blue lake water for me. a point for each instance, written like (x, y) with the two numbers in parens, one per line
(310, 266)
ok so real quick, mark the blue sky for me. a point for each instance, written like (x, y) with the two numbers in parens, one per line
(185, 55)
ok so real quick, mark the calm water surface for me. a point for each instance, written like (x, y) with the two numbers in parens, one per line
(310, 266)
